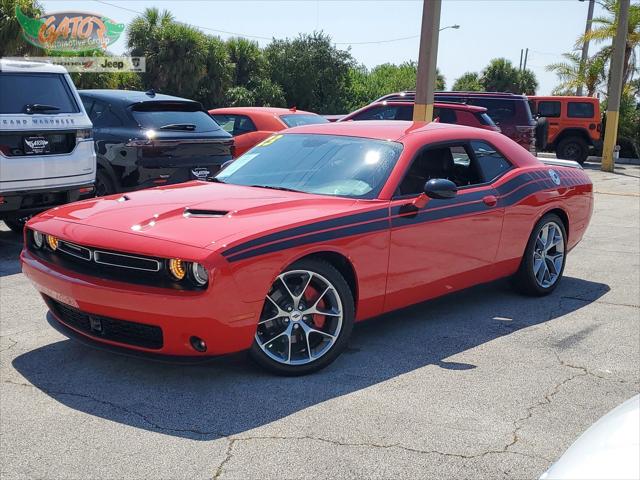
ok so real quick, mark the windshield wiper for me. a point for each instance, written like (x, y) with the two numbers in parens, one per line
(178, 126)
(39, 107)
(271, 187)
(216, 180)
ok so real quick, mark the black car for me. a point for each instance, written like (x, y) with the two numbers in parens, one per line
(144, 139)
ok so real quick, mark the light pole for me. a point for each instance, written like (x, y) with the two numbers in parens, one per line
(427, 61)
(615, 86)
(585, 45)
(455, 27)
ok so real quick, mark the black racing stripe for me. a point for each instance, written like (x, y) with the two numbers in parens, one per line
(465, 204)
(310, 228)
(432, 215)
(313, 238)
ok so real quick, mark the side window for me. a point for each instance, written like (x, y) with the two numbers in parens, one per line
(88, 104)
(492, 164)
(445, 115)
(452, 162)
(498, 110)
(235, 124)
(102, 115)
(386, 112)
(549, 109)
(580, 110)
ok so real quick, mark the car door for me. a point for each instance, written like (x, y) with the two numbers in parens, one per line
(449, 244)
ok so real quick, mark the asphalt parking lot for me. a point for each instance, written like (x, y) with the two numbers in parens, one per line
(481, 384)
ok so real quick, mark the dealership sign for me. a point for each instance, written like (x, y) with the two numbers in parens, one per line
(69, 31)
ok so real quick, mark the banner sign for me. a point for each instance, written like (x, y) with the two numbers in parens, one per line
(69, 31)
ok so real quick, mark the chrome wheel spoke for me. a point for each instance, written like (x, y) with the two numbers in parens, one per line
(279, 312)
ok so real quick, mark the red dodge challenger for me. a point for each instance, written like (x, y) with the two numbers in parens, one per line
(315, 228)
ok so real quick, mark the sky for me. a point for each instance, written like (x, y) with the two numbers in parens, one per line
(488, 28)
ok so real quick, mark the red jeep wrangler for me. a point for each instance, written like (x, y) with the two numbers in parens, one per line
(568, 126)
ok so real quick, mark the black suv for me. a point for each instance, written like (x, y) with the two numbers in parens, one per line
(144, 139)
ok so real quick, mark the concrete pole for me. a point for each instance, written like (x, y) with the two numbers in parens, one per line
(615, 87)
(427, 61)
(585, 45)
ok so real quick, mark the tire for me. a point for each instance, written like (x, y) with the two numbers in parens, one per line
(104, 184)
(573, 148)
(531, 278)
(288, 342)
(542, 133)
(17, 225)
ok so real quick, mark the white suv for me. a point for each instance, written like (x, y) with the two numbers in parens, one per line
(47, 156)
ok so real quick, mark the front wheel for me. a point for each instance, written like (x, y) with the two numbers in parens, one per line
(306, 320)
(17, 225)
(573, 148)
(543, 263)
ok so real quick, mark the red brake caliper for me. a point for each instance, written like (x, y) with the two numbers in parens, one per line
(310, 297)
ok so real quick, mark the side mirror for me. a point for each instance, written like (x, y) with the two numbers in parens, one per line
(440, 188)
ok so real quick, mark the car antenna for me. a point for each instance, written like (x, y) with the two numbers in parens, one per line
(293, 109)
(151, 92)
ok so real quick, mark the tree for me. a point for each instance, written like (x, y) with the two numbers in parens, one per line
(501, 76)
(604, 30)
(573, 74)
(367, 85)
(247, 60)
(468, 82)
(313, 74)
(12, 44)
(219, 73)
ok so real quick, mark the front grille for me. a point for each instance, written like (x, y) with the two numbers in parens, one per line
(121, 331)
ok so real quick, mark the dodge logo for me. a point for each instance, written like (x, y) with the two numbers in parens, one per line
(554, 176)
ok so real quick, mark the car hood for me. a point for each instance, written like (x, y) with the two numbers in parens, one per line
(202, 214)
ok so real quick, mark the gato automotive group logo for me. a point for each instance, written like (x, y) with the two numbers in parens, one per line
(69, 31)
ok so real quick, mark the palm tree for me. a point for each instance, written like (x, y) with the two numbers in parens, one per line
(11, 41)
(604, 30)
(573, 74)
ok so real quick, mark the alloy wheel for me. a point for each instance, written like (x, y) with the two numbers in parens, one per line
(548, 255)
(301, 319)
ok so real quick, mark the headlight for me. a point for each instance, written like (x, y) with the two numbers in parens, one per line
(38, 239)
(177, 269)
(52, 242)
(199, 273)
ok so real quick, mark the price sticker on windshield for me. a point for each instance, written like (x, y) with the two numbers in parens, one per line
(269, 141)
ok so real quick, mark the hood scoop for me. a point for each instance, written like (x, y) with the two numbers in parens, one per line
(203, 213)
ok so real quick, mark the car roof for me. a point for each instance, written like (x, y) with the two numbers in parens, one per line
(20, 66)
(265, 110)
(129, 97)
(560, 98)
(409, 95)
(451, 105)
(376, 129)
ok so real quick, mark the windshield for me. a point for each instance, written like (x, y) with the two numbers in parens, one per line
(49, 91)
(174, 116)
(297, 119)
(323, 164)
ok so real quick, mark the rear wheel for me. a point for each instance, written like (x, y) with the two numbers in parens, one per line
(104, 184)
(306, 320)
(17, 225)
(573, 148)
(543, 263)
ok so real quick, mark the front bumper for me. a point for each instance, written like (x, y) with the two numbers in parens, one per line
(225, 323)
(19, 204)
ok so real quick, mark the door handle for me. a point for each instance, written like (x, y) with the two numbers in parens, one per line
(490, 200)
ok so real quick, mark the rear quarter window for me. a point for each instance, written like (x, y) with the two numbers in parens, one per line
(21, 89)
(580, 110)
(499, 110)
(549, 109)
(234, 124)
(297, 119)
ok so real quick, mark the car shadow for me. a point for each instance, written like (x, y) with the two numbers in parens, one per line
(232, 395)
(10, 246)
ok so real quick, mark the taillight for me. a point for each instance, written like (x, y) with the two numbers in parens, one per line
(84, 134)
